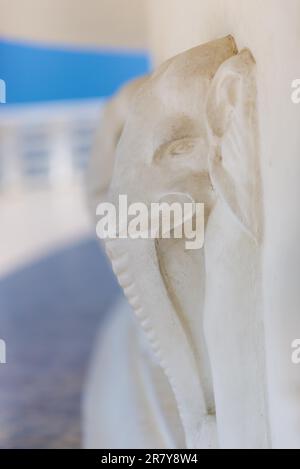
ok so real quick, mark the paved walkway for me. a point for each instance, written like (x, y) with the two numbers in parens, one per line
(50, 311)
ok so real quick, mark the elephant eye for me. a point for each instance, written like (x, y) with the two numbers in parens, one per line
(177, 148)
(182, 146)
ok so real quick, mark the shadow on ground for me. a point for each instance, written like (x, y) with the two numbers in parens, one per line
(49, 316)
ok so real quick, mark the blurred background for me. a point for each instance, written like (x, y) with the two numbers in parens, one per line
(60, 60)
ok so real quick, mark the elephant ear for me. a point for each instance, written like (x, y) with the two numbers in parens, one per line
(234, 157)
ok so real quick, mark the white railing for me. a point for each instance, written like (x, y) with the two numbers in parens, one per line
(46, 145)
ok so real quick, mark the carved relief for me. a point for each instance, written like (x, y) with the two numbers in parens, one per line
(192, 130)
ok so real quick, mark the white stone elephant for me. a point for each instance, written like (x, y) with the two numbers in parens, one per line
(191, 129)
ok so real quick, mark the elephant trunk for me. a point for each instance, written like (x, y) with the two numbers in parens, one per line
(136, 265)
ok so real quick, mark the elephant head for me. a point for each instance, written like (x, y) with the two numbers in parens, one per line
(180, 138)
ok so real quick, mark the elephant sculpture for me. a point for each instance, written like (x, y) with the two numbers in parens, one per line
(192, 130)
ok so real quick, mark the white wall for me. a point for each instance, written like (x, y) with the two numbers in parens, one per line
(97, 22)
